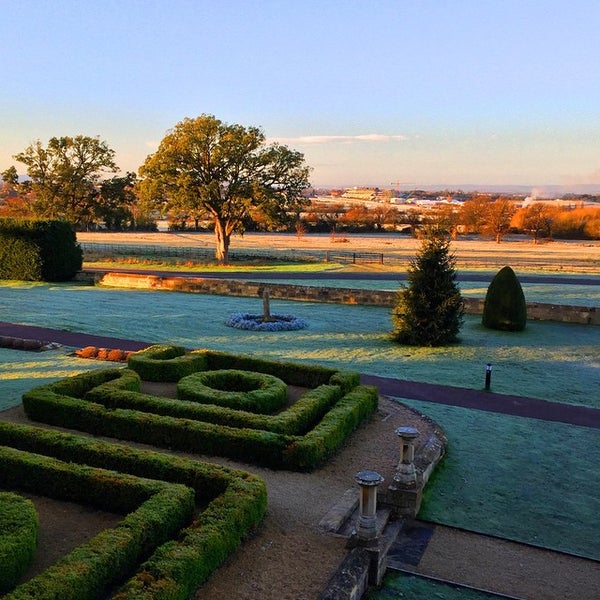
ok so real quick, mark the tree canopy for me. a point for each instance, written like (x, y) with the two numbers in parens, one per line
(65, 176)
(204, 166)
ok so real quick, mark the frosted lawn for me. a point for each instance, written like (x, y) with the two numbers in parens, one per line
(552, 361)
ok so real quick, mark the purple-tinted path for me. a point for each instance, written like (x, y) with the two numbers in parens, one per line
(520, 406)
(400, 388)
(68, 338)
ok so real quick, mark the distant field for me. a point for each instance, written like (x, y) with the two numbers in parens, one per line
(564, 256)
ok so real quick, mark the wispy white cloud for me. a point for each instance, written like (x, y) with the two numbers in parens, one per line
(344, 139)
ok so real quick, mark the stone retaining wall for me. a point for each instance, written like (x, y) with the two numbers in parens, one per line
(228, 287)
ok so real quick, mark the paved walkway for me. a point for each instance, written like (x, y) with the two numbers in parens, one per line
(401, 388)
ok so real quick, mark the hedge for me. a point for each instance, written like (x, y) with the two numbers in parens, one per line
(173, 424)
(235, 502)
(321, 442)
(244, 390)
(166, 363)
(38, 250)
(294, 420)
(157, 511)
(19, 530)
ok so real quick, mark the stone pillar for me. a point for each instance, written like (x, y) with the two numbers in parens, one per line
(406, 475)
(367, 521)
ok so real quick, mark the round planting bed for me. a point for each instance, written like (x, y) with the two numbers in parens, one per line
(243, 390)
(19, 526)
(258, 322)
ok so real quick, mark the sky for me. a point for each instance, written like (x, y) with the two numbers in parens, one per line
(386, 93)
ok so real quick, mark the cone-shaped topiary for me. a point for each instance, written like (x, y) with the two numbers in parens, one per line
(504, 307)
(429, 311)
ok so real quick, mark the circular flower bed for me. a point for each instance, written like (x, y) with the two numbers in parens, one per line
(256, 322)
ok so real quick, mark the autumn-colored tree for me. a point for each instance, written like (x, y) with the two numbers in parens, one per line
(384, 214)
(16, 206)
(326, 216)
(497, 218)
(357, 218)
(472, 213)
(536, 219)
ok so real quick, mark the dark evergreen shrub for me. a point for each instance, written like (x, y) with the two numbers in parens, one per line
(36, 250)
(19, 258)
(429, 311)
(504, 307)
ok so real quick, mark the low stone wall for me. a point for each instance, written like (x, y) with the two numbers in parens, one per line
(229, 287)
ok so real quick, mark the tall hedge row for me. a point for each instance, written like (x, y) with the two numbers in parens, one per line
(36, 250)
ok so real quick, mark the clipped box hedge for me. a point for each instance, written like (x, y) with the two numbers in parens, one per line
(156, 512)
(302, 437)
(170, 363)
(233, 501)
(19, 530)
(243, 390)
(300, 417)
(166, 363)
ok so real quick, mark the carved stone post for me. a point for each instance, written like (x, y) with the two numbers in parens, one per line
(367, 521)
(405, 491)
(405, 471)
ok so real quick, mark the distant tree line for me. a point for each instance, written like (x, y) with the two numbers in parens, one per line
(213, 176)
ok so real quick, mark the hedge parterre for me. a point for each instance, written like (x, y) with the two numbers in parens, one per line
(301, 437)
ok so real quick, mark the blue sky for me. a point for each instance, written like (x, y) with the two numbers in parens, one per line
(425, 92)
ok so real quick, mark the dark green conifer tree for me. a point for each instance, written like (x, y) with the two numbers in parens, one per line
(429, 311)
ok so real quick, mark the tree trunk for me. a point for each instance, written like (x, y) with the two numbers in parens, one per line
(223, 239)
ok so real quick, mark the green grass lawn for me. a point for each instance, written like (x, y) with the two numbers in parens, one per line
(524, 479)
(181, 265)
(552, 361)
(411, 587)
(518, 478)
